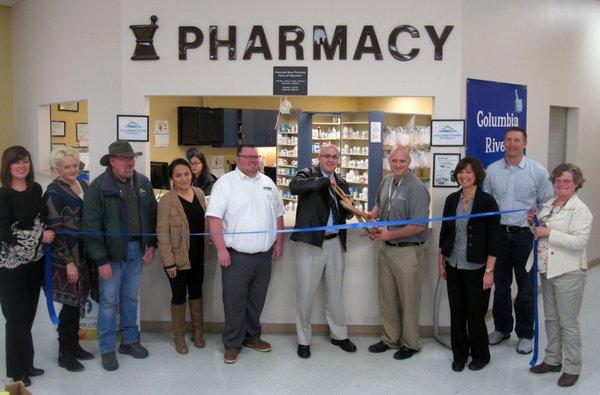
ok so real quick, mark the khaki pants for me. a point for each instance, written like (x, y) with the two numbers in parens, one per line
(562, 301)
(400, 294)
(314, 264)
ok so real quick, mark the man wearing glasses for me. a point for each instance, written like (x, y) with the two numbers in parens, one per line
(320, 254)
(516, 182)
(120, 201)
(245, 200)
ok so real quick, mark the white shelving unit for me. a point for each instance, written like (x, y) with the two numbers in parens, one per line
(287, 157)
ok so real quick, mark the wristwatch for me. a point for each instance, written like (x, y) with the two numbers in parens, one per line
(488, 270)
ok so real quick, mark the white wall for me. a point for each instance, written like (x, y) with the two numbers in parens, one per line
(552, 47)
(67, 50)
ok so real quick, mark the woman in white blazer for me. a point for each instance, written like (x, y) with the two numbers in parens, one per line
(563, 233)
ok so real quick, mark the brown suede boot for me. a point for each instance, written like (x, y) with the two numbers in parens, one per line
(196, 314)
(178, 323)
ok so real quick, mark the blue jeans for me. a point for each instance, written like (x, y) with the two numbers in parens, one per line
(120, 293)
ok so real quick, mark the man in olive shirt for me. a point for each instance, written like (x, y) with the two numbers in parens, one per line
(401, 196)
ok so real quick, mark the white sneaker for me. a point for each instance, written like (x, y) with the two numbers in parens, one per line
(496, 337)
(525, 346)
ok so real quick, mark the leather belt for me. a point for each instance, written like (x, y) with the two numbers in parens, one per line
(331, 236)
(512, 229)
(405, 243)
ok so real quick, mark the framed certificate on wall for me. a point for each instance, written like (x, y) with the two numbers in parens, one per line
(58, 128)
(443, 170)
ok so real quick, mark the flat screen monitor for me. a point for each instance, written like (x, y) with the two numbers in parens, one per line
(159, 175)
(271, 172)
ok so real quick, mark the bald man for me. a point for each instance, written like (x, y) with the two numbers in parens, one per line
(401, 196)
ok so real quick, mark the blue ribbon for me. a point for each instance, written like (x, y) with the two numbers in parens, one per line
(536, 324)
(48, 247)
(356, 225)
(48, 286)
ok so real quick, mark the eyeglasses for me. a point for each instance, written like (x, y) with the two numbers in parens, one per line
(195, 163)
(564, 182)
(329, 157)
(255, 157)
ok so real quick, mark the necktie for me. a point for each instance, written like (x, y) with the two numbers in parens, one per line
(333, 206)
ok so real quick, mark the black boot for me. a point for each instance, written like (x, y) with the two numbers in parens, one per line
(68, 361)
(81, 354)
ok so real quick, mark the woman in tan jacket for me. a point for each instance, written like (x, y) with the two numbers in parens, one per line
(181, 213)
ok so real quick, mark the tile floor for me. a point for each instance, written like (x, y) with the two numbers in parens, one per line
(329, 370)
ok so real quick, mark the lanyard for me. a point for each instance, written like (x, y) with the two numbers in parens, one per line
(545, 218)
(391, 197)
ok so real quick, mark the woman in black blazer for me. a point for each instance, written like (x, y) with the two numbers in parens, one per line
(468, 250)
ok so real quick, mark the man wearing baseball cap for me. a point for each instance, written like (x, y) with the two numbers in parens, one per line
(120, 204)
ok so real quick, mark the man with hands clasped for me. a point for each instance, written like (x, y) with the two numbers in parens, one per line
(401, 196)
(245, 200)
(516, 182)
(120, 201)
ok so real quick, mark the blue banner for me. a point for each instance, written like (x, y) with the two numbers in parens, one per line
(492, 107)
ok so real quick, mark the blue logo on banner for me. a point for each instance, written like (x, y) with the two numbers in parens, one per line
(492, 107)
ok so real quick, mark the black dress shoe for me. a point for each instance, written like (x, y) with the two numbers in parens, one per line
(69, 362)
(477, 365)
(405, 353)
(458, 366)
(379, 347)
(25, 380)
(81, 354)
(303, 351)
(345, 345)
(33, 372)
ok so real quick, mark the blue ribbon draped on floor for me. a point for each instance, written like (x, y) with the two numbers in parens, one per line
(536, 323)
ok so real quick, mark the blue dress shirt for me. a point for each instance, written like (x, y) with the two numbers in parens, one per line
(518, 187)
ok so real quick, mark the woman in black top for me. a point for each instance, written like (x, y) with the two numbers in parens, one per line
(202, 177)
(22, 232)
(468, 250)
(181, 213)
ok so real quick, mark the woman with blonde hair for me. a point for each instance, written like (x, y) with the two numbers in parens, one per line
(72, 275)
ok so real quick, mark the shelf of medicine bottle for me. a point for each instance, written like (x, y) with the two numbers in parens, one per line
(325, 139)
(286, 175)
(355, 138)
(294, 133)
(326, 123)
(365, 155)
(355, 168)
(289, 145)
(293, 166)
(355, 122)
(286, 156)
